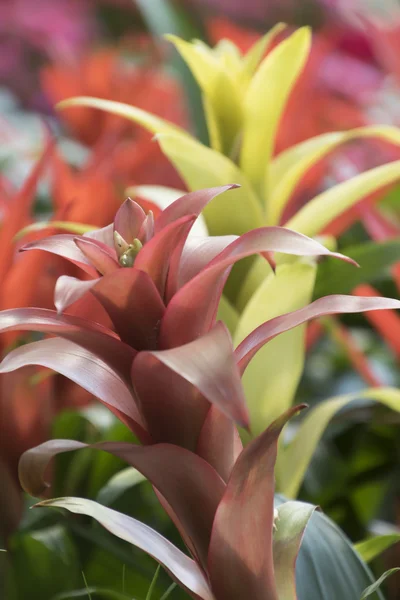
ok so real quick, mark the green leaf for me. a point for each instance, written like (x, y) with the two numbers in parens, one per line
(293, 460)
(327, 567)
(235, 211)
(291, 523)
(228, 314)
(321, 210)
(132, 113)
(44, 563)
(372, 547)
(153, 583)
(265, 101)
(374, 258)
(71, 227)
(118, 485)
(288, 168)
(271, 379)
(98, 591)
(375, 586)
(221, 93)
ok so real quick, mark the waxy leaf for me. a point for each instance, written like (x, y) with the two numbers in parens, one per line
(294, 459)
(321, 210)
(236, 211)
(290, 525)
(271, 379)
(241, 546)
(288, 168)
(372, 547)
(265, 101)
(183, 569)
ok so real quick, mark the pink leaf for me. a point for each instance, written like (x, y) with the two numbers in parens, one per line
(129, 220)
(329, 305)
(90, 335)
(181, 568)
(154, 258)
(63, 245)
(219, 442)
(84, 368)
(98, 254)
(192, 310)
(133, 304)
(69, 290)
(104, 235)
(198, 252)
(240, 557)
(189, 204)
(188, 483)
(172, 386)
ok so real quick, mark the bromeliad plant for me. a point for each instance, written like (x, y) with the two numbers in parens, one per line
(169, 371)
(244, 98)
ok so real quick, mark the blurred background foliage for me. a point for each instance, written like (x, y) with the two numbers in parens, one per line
(115, 50)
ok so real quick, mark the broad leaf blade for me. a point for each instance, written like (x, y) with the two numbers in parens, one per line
(373, 547)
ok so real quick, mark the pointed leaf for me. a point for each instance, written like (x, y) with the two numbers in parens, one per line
(181, 567)
(219, 442)
(254, 56)
(90, 335)
(71, 227)
(329, 305)
(63, 245)
(292, 520)
(101, 256)
(189, 484)
(81, 366)
(236, 211)
(134, 305)
(375, 260)
(375, 586)
(293, 461)
(271, 379)
(192, 310)
(372, 547)
(241, 545)
(128, 220)
(132, 113)
(321, 210)
(176, 386)
(288, 168)
(265, 101)
(69, 290)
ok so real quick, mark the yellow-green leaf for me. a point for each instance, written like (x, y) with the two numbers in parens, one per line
(271, 379)
(288, 168)
(253, 57)
(372, 547)
(222, 100)
(265, 101)
(228, 314)
(256, 274)
(132, 113)
(293, 461)
(325, 207)
(235, 211)
(70, 226)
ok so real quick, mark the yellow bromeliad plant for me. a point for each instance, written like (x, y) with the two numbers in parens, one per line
(244, 97)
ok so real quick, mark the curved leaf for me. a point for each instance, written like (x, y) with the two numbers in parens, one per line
(241, 545)
(192, 310)
(132, 113)
(236, 211)
(71, 227)
(181, 567)
(375, 586)
(291, 523)
(271, 379)
(375, 260)
(327, 566)
(372, 547)
(265, 101)
(329, 305)
(288, 168)
(81, 366)
(321, 210)
(294, 459)
(63, 245)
